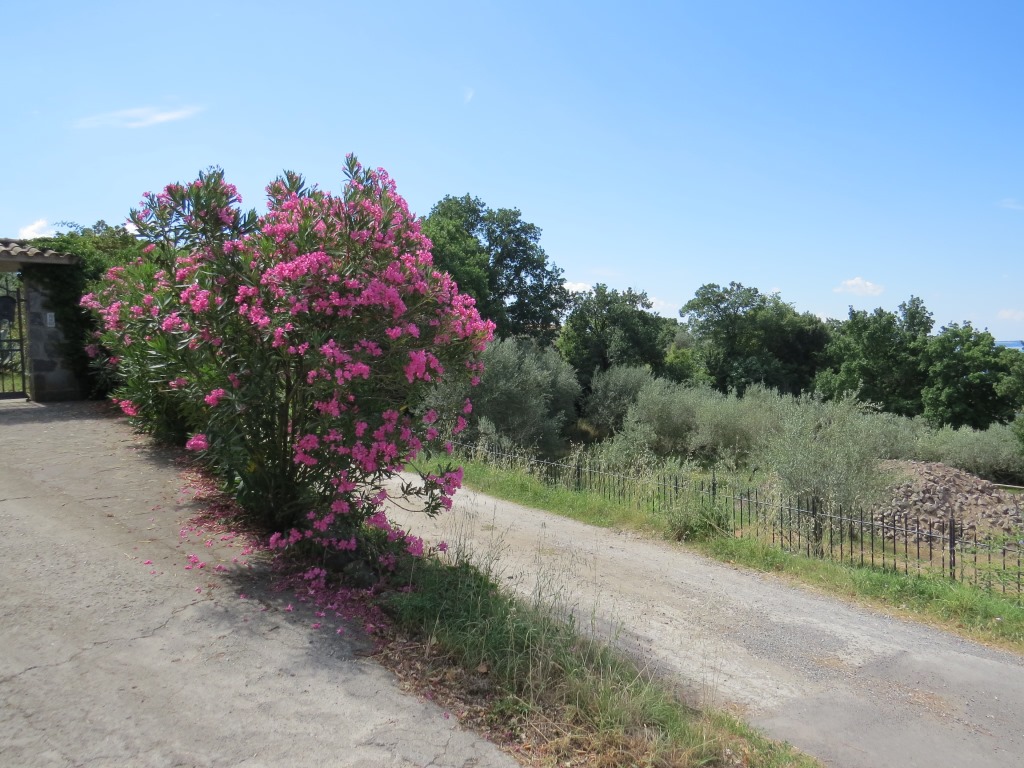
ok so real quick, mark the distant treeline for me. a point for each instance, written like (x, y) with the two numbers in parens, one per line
(740, 377)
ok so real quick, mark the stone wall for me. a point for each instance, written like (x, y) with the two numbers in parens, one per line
(49, 377)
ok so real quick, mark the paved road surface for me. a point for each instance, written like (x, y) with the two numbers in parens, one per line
(103, 663)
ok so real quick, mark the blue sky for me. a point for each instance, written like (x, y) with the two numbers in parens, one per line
(839, 153)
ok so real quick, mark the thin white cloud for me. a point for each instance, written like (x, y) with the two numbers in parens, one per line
(858, 286)
(137, 117)
(663, 308)
(1011, 203)
(468, 94)
(578, 287)
(1011, 314)
(38, 228)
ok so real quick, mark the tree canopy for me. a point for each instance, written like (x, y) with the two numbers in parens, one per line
(878, 356)
(606, 327)
(496, 257)
(965, 379)
(742, 337)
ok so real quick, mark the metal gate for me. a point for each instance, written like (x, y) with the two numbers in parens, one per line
(12, 340)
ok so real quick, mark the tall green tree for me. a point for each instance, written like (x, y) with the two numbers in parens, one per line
(606, 327)
(452, 226)
(523, 294)
(879, 357)
(743, 337)
(967, 379)
(681, 363)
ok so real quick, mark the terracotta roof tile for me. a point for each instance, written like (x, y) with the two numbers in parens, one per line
(24, 252)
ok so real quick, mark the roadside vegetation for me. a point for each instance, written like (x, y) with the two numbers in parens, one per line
(522, 671)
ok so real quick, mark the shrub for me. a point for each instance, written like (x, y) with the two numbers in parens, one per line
(527, 395)
(292, 347)
(729, 428)
(828, 451)
(612, 393)
(662, 419)
(992, 453)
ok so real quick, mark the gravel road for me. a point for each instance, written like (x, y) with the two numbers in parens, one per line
(107, 660)
(854, 687)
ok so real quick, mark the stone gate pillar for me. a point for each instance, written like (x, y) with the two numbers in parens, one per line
(49, 376)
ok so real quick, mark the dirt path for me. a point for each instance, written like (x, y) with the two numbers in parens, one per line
(856, 688)
(107, 660)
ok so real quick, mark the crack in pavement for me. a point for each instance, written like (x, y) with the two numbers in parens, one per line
(98, 644)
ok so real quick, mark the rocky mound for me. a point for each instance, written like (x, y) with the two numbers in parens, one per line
(929, 492)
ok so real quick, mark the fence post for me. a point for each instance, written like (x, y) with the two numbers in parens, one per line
(952, 546)
(714, 486)
(817, 536)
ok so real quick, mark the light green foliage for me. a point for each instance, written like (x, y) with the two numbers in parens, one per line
(606, 328)
(966, 371)
(898, 437)
(612, 393)
(673, 420)
(527, 394)
(700, 424)
(506, 270)
(993, 453)
(826, 450)
(745, 337)
(662, 419)
(730, 428)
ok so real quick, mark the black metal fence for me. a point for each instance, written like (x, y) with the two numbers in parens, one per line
(12, 339)
(657, 491)
(893, 541)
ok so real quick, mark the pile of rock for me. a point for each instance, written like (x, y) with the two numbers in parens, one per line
(930, 493)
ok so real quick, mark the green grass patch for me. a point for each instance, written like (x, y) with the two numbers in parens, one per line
(594, 705)
(9, 381)
(962, 608)
(531, 491)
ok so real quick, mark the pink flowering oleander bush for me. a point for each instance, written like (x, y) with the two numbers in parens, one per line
(292, 351)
